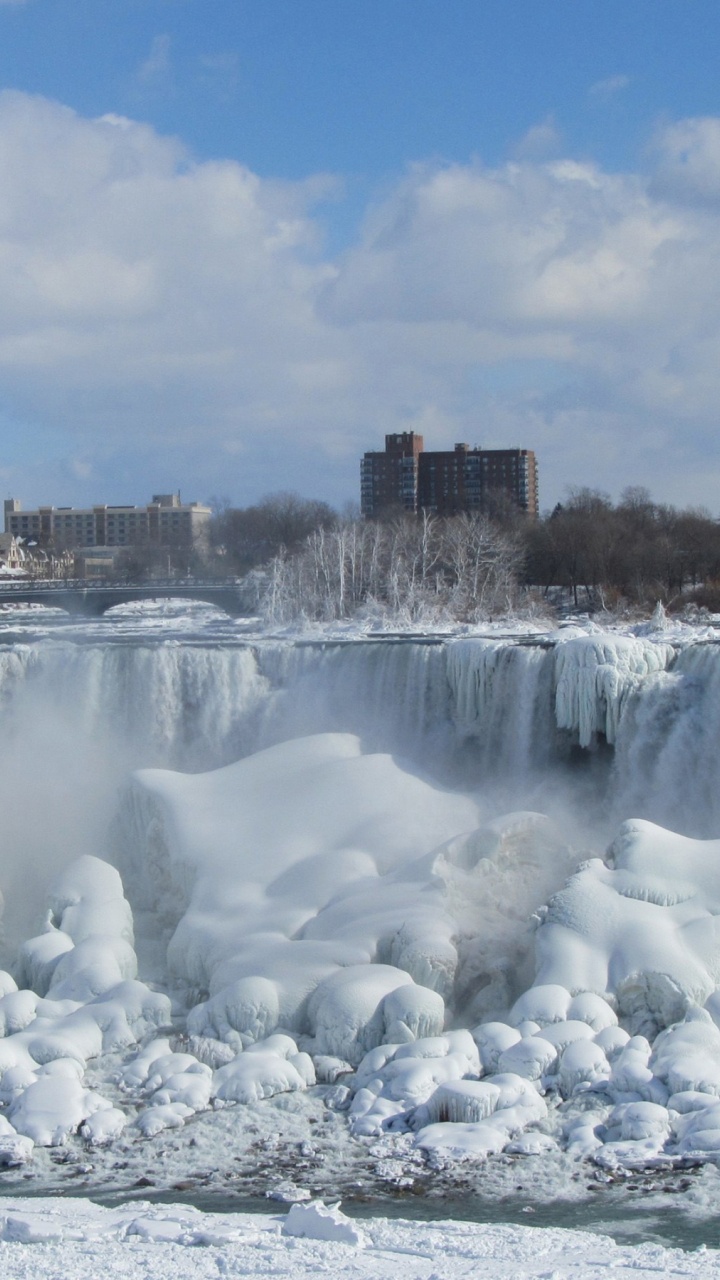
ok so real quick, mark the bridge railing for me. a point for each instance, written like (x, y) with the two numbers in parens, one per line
(25, 585)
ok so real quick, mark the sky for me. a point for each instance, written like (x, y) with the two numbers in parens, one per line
(241, 240)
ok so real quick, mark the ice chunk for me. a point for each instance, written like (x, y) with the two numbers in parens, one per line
(561, 1034)
(87, 947)
(269, 1067)
(412, 1013)
(492, 1039)
(156, 1119)
(529, 1058)
(394, 1081)
(87, 901)
(349, 1014)
(103, 1127)
(136, 1072)
(38, 959)
(582, 1063)
(52, 1108)
(329, 1069)
(317, 1221)
(612, 1041)
(646, 926)
(15, 1149)
(462, 1141)
(588, 1007)
(91, 968)
(17, 1011)
(127, 1012)
(687, 1056)
(464, 1101)
(640, 1120)
(15, 1079)
(631, 1077)
(583, 1139)
(503, 1108)
(531, 1144)
(544, 1004)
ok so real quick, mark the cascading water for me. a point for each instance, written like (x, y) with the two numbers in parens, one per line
(469, 711)
(666, 764)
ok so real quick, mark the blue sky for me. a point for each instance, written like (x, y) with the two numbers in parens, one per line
(240, 241)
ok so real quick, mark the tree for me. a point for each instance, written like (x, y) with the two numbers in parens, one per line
(251, 536)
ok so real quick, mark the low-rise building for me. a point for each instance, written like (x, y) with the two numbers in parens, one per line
(164, 522)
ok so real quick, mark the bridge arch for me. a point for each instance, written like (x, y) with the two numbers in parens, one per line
(92, 600)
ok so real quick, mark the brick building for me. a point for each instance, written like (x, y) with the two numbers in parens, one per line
(447, 482)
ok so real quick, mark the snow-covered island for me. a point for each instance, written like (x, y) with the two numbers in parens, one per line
(303, 916)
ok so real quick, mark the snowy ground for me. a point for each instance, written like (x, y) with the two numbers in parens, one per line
(79, 1240)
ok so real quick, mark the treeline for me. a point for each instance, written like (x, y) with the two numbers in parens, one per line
(636, 551)
(412, 568)
(242, 538)
(588, 552)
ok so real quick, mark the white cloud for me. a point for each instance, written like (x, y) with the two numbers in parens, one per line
(688, 160)
(150, 304)
(156, 67)
(541, 141)
(608, 88)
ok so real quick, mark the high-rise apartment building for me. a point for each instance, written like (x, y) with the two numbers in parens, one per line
(390, 479)
(447, 482)
(164, 522)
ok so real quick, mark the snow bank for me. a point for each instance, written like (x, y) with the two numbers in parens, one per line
(78, 1239)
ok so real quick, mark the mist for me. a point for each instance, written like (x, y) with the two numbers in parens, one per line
(497, 718)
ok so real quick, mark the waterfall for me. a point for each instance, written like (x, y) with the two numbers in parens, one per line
(466, 710)
(666, 756)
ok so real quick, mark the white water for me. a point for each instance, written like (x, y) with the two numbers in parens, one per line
(468, 710)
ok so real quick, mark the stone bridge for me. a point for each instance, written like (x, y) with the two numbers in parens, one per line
(92, 599)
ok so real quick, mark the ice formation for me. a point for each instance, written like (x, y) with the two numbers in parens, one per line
(330, 915)
(85, 1001)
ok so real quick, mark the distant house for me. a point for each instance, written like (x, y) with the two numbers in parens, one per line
(12, 557)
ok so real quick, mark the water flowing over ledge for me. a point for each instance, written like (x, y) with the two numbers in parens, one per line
(641, 713)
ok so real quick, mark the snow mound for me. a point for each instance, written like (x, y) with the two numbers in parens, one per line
(358, 1008)
(642, 930)
(264, 1069)
(333, 895)
(88, 1001)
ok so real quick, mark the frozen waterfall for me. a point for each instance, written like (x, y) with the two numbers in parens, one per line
(468, 711)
